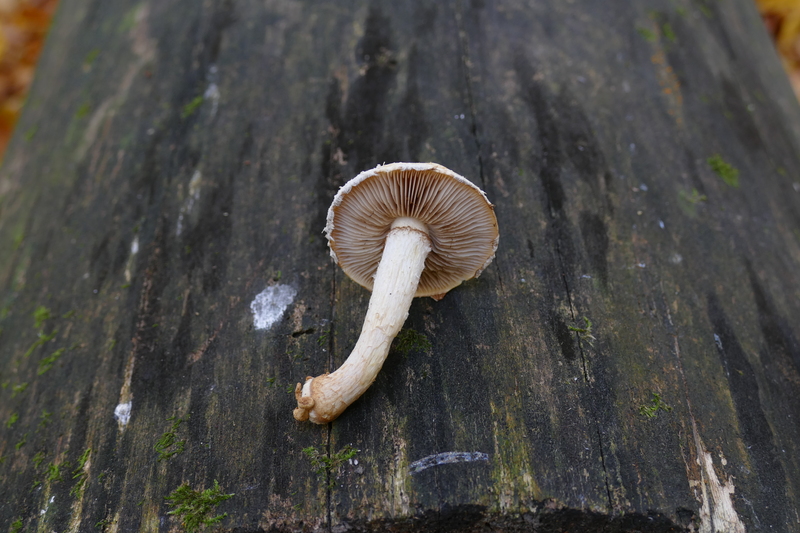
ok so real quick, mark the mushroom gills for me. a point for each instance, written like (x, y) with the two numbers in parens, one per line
(323, 398)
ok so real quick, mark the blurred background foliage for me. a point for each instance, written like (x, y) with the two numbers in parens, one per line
(24, 25)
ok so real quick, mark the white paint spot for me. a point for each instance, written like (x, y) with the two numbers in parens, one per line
(129, 264)
(123, 413)
(269, 305)
(632, 147)
(212, 93)
(676, 259)
(796, 186)
(718, 342)
(661, 224)
(642, 265)
(643, 187)
(446, 458)
(191, 199)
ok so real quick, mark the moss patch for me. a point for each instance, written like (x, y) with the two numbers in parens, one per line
(649, 35)
(656, 404)
(169, 445)
(688, 201)
(79, 474)
(585, 332)
(668, 32)
(723, 169)
(48, 362)
(40, 315)
(195, 508)
(326, 465)
(191, 107)
(408, 341)
(41, 340)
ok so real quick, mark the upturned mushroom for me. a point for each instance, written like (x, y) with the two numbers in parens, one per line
(400, 230)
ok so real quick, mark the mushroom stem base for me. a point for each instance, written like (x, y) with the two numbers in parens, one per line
(323, 398)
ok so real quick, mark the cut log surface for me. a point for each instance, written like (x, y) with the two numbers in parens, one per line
(629, 362)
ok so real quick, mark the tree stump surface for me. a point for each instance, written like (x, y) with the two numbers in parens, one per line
(628, 362)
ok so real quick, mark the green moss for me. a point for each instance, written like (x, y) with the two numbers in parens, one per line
(656, 404)
(21, 442)
(666, 30)
(16, 526)
(128, 21)
(688, 201)
(18, 389)
(693, 197)
(37, 459)
(68, 314)
(41, 340)
(54, 472)
(48, 362)
(82, 460)
(91, 56)
(83, 110)
(408, 341)
(191, 107)
(44, 418)
(195, 508)
(30, 133)
(169, 445)
(79, 475)
(585, 333)
(724, 170)
(648, 34)
(326, 465)
(19, 238)
(40, 315)
(12, 420)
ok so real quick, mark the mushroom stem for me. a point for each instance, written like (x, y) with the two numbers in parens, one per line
(323, 398)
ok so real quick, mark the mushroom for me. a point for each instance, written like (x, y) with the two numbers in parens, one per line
(400, 230)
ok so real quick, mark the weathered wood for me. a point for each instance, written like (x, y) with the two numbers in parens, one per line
(146, 220)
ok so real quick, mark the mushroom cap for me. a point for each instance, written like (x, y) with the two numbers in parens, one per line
(459, 218)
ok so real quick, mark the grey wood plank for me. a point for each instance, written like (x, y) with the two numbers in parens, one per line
(176, 160)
